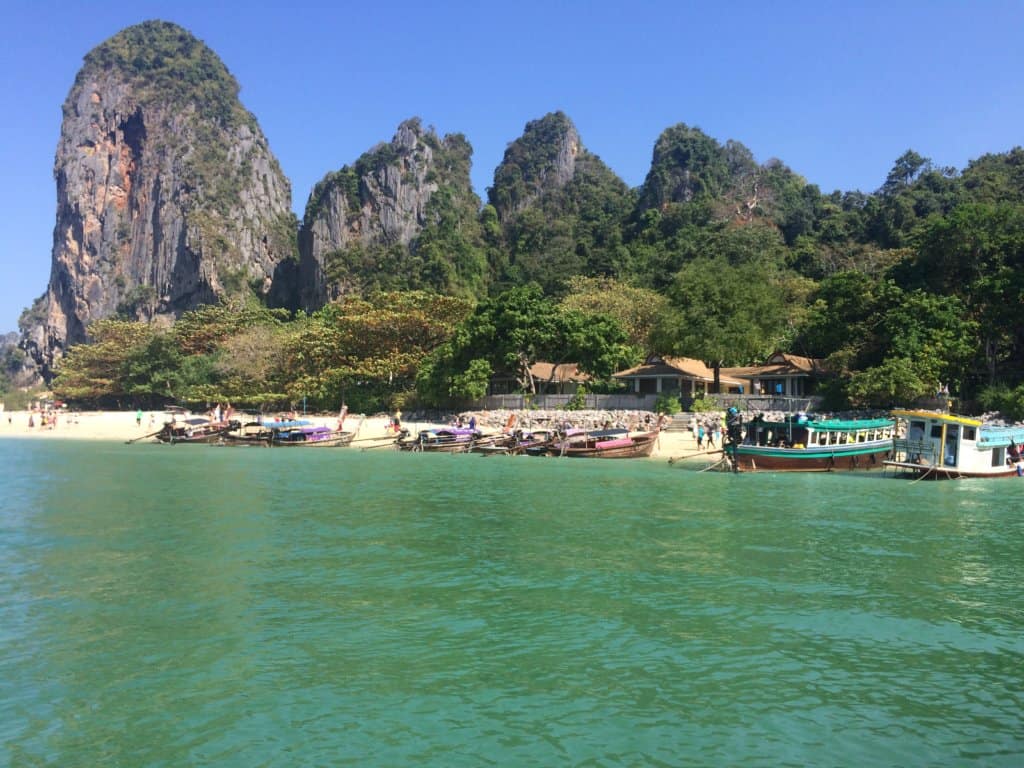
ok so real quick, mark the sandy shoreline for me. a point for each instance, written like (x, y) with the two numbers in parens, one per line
(121, 426)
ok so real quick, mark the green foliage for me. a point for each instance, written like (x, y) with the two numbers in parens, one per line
(703, 404)
(634, 309)
(690, 165)
(723, 313)
(1009, 401)
(895, 381)
(447, 255)
(562, 210)
(139, 301)
(472, 383)
(33, 316)
(104, 368)
(578, 401)
(667, 403)
(514, 330)
(162, 59)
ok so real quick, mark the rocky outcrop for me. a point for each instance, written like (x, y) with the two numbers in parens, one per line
(542, 159)
(560, 208)
(399, 218)
(168, 196)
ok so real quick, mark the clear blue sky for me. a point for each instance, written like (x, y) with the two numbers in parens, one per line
(837, 91)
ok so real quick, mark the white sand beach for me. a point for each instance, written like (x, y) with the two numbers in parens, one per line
(122, 426)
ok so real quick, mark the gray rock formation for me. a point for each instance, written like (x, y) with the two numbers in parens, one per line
(364, 223)
(168, 196)
(541, 160)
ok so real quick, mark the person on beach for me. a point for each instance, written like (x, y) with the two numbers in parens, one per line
(138, 417)
(700, 437)
(710, 436)
(396, 420)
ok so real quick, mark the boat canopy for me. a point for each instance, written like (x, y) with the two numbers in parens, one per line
(949, 418)
(833, 425)
(852, 425)
(997, 437)
(286, 424)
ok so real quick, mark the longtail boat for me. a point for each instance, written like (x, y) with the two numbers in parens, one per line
(306, 435)
(607, 444)
(295, 433)
(193, 430)
(940, 446)
(800, 444)
(519, 442)
(443, 440)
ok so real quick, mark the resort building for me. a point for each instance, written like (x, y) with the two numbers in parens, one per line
(782, 374)
(548, 379)
(681, 376)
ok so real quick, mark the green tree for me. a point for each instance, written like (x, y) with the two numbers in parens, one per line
(723, 314)
(100, 370)
(513, 331)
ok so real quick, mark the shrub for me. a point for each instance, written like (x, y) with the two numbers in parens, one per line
(704, 404)
(667, 403)
(578, 401)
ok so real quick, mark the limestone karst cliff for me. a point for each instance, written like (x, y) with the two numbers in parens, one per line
(559, 206)
(168, 195)
(403, 216)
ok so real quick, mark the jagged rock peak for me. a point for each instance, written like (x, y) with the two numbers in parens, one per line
(687, 164)
(543, 158)
(168, 196)
(367, 218)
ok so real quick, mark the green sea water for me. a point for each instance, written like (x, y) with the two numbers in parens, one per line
(192, 605)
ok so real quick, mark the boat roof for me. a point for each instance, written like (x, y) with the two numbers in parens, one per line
(836, 425)
(992, 436)
(989, 435)
(949, 418)
(286, 424)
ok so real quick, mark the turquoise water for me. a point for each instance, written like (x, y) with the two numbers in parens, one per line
(191, 605)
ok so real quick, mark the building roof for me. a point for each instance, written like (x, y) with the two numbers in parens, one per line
(563, 372)
(685, 367)
(560, 372)
(780, 364)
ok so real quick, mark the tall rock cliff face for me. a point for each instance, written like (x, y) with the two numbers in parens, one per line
(541, 160)
(690, 167)
(168, 196)
(404, 216)
(561, 209)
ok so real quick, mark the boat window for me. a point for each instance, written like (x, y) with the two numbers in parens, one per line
(998, 457)
(936, 430)
(969, 433)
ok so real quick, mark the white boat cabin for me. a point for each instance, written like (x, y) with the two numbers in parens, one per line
(957, 444)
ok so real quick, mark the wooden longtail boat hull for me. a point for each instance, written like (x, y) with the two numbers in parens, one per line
(438, 446)
(335, 440)
(196, 438)
(634, 447)
(833, 458)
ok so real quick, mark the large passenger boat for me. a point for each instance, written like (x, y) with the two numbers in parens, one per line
(801, 444)
(939, 446)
